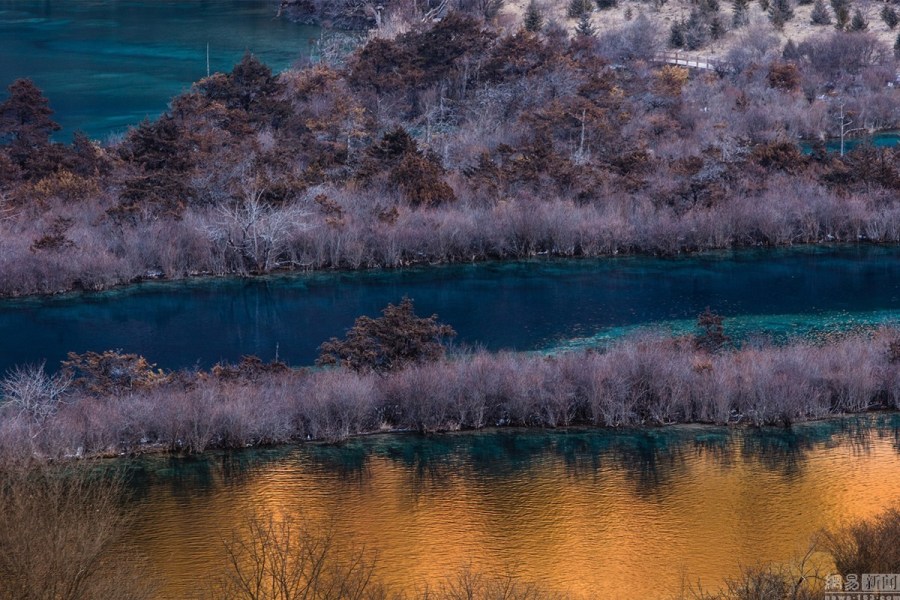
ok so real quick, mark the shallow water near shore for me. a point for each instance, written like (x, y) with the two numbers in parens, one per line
(107, 64)
(597, 513)
(536, 305)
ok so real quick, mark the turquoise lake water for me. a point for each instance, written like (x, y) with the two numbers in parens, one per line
(884, 139)
(107, 64)
(539, 305)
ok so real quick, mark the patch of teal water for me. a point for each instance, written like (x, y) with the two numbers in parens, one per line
(107, 64)
(884, 139)
(778, 328)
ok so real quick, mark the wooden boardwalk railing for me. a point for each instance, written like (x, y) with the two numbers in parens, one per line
(692, 62)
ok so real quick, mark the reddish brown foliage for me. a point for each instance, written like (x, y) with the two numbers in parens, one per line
(396, 339)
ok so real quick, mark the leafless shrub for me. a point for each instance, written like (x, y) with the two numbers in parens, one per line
(292, 559)
(468, 584)
(866, 546)
(60, 536)
(256, 233)
(33, 392)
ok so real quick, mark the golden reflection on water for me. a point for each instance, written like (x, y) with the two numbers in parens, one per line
(604, 524)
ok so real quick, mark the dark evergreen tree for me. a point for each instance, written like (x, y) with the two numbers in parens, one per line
(716, 27)
(897, 46)
(740, 13)
(676, 35)
(25, 118)
(585, 28)
(534, 19)
(791, 52)
(889, 16)
(841, 10)
(764, 5)
(604, 4)
(577, 8)
(820, 14)
(780, 12)
(858, 23)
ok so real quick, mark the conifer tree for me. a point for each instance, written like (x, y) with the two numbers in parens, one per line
(841, 10)
(577, 8)
(859, 22)
(534, 20)
(780, 12)
(820, 14)
(740, 10)
(585, 27)
(890, 17)
(791, 52)
(25, 116)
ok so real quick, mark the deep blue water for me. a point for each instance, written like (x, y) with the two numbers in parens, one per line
(107, 64)
(530, 305)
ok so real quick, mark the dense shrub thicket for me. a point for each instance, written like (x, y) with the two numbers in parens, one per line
(456, 141)
(644, 381)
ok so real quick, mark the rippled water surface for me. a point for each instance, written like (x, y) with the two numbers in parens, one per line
(531, 305)
(108, 64)
(602, 514)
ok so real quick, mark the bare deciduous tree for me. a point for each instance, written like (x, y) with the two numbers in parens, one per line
(289, 559)
(58, 532)
(33, 391)
(257, 232)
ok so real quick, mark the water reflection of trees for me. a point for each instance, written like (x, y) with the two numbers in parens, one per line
(648, 458)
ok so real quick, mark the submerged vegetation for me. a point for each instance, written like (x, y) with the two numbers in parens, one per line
(458, 140)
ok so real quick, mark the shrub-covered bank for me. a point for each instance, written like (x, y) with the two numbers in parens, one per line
(111, 404)
(457, 141)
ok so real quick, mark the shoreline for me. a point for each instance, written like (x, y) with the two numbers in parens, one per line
(164, 452)
(642, 382)
(425, 264)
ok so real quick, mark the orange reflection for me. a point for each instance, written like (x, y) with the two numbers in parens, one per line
(596, 530)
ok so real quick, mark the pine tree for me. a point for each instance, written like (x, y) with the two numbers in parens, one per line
(791, 52)
(897, 46)
(577, 8)
(820, 14)
(890, 17)
(534, 19)
(841, 13)
(676, 35)
(780, 12)
(740, 9)
(859, 22)
(716, 28)
(764, 4)
(25, 116)
(585, 27)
